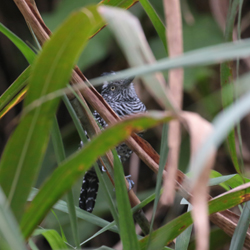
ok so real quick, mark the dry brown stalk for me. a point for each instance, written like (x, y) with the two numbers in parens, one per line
(175, 48)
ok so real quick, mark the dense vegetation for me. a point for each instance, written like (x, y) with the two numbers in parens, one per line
(193, 77)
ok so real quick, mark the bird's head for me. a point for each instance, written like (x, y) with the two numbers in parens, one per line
(118, 90)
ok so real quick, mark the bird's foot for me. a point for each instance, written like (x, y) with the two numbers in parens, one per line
(103, 169)
(81, 145)
(130, 182)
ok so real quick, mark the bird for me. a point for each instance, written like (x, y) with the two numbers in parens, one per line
(122, 98)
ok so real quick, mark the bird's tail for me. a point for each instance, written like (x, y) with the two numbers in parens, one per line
(89, 190)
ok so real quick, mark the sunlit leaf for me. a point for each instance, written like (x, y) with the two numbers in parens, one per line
(54, 239)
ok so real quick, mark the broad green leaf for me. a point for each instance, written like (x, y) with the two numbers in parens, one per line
(171, 230)
(51, 71)
(126, 222)
(70, 170)
(156, 21)
(54, 239)
(10, 236)
(22, 46)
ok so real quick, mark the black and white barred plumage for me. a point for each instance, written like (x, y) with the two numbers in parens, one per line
(122, 98)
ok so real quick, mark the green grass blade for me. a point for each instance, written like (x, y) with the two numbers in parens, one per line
(219, 180)
(171, 230)
(70, 170)
(109, 198)
(13, 94)
(28, 53)
(75, 119)
(51, 72)
(156, 21)
(237, 77)
(60, 226)
(125, 4)
(104, 229)
(163, 160)
(126, 222)
(241, 229)
(226, 78)
(60, 155)
(205, 56)
(32, 245)
(10, 236)
(10, 97)
(227, 98)
(182, 241)
(232, 12)
(54, 239)
(81, 214)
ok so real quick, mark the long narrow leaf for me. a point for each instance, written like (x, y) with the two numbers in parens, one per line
(51, 71)
(22, 46)
(60, 155)
(119, 3)
(226, 78)
(170, 231)
(156, 21)
(163, 160)
(204, 56)
(10, 236)
(126, 222)
(54, 239)
(241, 229)
(11, 97)
(81, 161)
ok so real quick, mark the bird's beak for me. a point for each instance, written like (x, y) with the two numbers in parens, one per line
(127, 81)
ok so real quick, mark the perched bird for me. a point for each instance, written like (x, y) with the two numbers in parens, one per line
(122, 98)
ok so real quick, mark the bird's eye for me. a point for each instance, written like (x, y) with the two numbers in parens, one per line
(112, 88)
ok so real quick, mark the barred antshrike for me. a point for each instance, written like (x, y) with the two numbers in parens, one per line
(122, 98)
